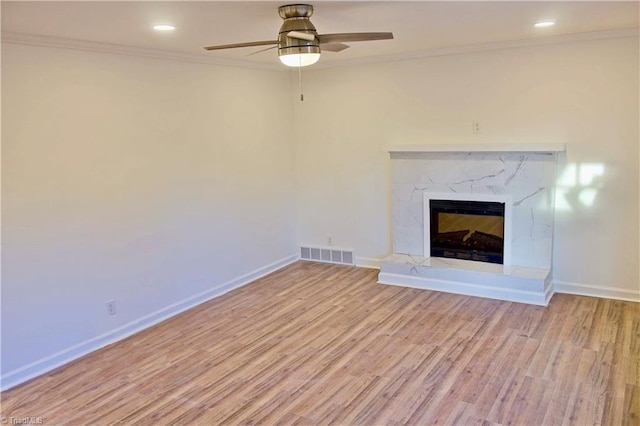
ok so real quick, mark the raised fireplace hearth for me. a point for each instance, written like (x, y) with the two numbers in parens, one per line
(474, 219)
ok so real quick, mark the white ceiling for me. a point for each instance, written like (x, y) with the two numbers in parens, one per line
(418, 26)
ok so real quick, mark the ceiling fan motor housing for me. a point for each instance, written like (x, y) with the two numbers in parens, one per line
(296, 18)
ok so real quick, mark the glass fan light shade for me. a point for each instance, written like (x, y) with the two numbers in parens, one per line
(299, 59)
(302, 54)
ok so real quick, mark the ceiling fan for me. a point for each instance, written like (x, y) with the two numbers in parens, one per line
(298, 43)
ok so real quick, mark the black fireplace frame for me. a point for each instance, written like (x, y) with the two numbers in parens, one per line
(487, 208)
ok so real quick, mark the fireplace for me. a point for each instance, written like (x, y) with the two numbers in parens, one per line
(469, 230)
(509, 187)
(476, 227)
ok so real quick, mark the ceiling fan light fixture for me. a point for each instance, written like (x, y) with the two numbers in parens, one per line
(298, 44)
(299, 56)
(299, 59)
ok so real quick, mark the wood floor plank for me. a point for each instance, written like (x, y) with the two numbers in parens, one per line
(315, 344)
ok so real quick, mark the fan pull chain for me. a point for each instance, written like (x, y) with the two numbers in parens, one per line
(300, 83)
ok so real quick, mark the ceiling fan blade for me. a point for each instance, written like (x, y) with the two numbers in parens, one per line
(349, 37)
(334, 47)
(262, 50)
(249, 44)
(301, 36)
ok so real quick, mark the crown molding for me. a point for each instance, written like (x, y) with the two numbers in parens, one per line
(119, 49)
(472, 48)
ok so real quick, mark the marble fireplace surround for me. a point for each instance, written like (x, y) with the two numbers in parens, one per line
(521, 175)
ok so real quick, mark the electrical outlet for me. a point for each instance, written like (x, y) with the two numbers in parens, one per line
(111, 307)
(475, 126)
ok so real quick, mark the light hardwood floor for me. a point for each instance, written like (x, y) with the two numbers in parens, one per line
(324, 344)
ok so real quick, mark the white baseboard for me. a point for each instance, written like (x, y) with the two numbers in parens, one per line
(44, 365)
(366, 262)
(468, 289)
(597, 291)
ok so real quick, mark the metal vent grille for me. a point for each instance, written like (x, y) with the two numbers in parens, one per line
(327, 254)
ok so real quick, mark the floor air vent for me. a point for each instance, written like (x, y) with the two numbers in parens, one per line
(327, 254)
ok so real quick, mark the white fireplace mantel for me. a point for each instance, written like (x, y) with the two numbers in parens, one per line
(550, 148)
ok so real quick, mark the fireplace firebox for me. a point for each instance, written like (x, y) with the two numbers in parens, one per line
(469, 230)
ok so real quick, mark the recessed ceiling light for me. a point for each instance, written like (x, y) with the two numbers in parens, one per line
(164, 27)
(544, 24)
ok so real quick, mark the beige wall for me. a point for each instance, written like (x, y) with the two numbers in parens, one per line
(140, 180)
(584, 94)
